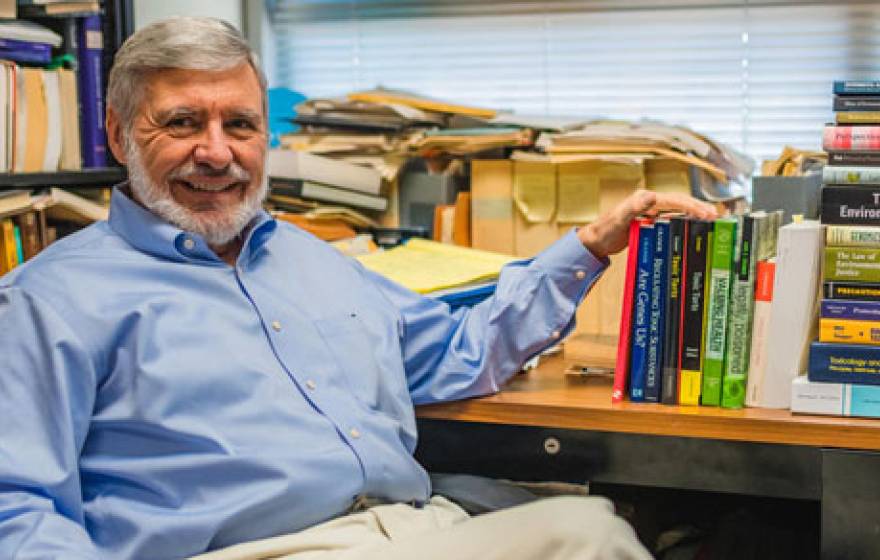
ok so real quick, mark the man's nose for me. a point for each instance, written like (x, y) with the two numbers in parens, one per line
(213, 148)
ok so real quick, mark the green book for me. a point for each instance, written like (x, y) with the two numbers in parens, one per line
(742, 305)
(723, 242)
(19, 250)
(857, 264)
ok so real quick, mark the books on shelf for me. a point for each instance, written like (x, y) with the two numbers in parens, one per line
(837, 399)
(90, 52)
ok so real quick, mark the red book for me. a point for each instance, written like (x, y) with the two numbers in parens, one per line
(621, 368)
(859, 138)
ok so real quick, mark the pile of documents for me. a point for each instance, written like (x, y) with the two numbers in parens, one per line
(456, 275)
(719, 162)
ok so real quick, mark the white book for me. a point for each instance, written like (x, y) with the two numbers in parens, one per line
(311, 190)
(288, 164)
(838, 399)
(24, 30)
(794, 313)
(51, 90)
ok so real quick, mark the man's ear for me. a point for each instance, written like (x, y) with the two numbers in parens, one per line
(115, 136)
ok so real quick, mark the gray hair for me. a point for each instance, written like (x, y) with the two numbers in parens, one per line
(187, 43)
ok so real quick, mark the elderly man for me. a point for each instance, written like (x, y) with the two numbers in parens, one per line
(193, 375)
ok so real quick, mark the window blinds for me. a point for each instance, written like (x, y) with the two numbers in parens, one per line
(756, 75)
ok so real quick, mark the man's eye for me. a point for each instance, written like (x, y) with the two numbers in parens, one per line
(181, 122)
(241, 124)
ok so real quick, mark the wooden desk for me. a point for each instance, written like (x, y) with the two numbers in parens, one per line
(543, 427)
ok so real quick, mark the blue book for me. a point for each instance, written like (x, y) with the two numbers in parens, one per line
(850, 309)
(90, 47)
(856, 87)
(657, 316)
(26, 56)
(844, 363)
(641, 312)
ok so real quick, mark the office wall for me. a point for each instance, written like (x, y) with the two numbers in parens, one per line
(148, 11)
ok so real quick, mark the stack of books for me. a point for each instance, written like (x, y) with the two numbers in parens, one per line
(689, 308)
(843, 376)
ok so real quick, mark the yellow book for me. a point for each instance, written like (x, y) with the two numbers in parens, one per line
(858, 117)
(8, 252)
(849, 331)
(427, 266)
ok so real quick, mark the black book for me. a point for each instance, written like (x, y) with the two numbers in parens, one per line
(857, 102)
(850, 205)
(678, 231)
(694, 293)
(863, 291)
(866, 159)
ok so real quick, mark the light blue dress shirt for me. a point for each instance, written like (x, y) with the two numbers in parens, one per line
(156, 402)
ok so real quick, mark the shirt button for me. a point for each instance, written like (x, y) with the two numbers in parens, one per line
(189, 244)
(555, 334)
(355, 433)
(311, 384)
(580, 274)
(276, 325)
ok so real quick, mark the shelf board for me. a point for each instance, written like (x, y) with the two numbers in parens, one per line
(98, 177)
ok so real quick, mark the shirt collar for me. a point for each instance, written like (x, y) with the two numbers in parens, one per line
(150, 234)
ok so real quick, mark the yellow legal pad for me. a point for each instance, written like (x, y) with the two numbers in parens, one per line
(427, 266)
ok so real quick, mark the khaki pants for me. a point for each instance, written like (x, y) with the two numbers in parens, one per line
(550, 529)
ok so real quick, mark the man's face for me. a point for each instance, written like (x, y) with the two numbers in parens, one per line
(197, 149)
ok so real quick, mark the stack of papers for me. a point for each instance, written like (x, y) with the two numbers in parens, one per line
(447, 272)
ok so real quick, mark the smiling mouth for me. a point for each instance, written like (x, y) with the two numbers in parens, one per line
(196, 186)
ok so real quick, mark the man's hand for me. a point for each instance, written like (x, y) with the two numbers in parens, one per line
(609, 234)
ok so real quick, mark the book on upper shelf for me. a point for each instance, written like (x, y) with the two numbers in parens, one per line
(837, 137)
(851, 175)
(622, 365)
(852, 264)
(678, 235)
(690, 376)
(657, 311)
(869, 103)
(90, 52)
(641, 311)
(854, 158)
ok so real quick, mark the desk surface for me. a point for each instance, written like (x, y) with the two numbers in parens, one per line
(544, 398)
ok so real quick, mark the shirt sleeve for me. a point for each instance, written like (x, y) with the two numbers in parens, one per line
(46, 395)
(472, 351)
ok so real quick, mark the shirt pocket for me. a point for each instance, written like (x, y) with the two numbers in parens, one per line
(353, 348)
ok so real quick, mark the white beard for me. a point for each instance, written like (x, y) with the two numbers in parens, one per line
(216, 230)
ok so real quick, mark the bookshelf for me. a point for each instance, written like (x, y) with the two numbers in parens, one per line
(117, 25)
(97, 177)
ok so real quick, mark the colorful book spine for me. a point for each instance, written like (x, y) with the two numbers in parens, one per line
(849, 309)
(848, 137)
(849, 175)
(852, 236)
(742, 301)
(845, 205)
(621, 367)
(854, 158)
(724, 237)
(844, 363)
(657, 320)
(90, 43)
(765, 273)
(838, 399)
(678, 230)
(642, 313)
(848, 331)
(851, 290)
(852, 264)
(8, 249)
(693, 312)
(857, 117)
(868, 103)
(856, 87)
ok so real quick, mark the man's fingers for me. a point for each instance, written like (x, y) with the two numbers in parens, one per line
(676, 202)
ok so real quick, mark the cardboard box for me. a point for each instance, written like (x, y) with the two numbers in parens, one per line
(521, 207)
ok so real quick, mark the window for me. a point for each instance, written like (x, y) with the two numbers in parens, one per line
(754, 75)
